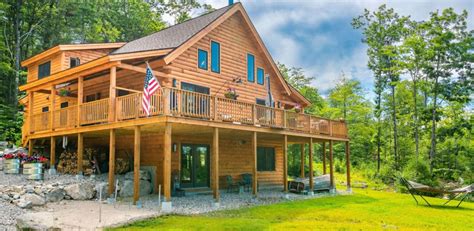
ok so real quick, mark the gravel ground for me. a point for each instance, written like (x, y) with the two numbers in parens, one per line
(8, 215)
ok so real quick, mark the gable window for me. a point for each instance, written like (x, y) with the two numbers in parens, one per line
(265, 159)
(215, 57)
(202, 59)
(73, 62)
(260, 76)
(261, 102)
(250, 68)
(44, 70)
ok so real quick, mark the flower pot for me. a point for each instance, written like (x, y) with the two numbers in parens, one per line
(1, 164)
(34, 171)
(11, 166)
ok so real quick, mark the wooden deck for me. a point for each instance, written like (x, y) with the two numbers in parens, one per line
(188, 106)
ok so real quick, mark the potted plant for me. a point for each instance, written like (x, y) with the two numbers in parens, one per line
(12, 162)
(298, 108)
(33, 167)
(231, 94)
(64, 92)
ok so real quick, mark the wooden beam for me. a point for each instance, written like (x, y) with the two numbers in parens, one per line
(80, 152)
(302, 160)
(142, 70)
(137, 55)
(111, 161)
(129, 90)
(136, 165)
(254, 160)
(324, 158)
(31, 144)
(30, 111)
(348, 165)
(112, 93)
(52, 155)
(167, 162)
(285, 163)
(311, 174)
(80, 98)
(331, 163)
(215, 164)
(52, 100)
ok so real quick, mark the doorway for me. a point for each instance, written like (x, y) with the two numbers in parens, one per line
(195, 170)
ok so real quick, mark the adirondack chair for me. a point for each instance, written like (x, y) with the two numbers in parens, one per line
(417, 188)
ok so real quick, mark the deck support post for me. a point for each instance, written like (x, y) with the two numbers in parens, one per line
(302, 160)
(111, 161)
(52, 102)
(80, 98)
(331, 167)
(52, 156)
(254, 160)
(80, 152)
(285, 163)
(348, 166)
(166, 205)
(112, 93)
(324, 158)
(215, 165)
(30, 112)
(31, 143)
(311, 174)
(136, 164)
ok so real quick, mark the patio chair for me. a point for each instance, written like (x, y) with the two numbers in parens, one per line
(418, 189)
(231, 184)
(246, 181)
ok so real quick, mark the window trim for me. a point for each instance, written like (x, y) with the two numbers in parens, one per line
(263, 80)
(210, 51)
(254, 67)
(39, 65)
(207, 59)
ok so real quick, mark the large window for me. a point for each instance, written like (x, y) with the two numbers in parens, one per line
(202, 59)
(215, 57)
(260, 76)
(250, 68)
(44, 70)
(265, 159)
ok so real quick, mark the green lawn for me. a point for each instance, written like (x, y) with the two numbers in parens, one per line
(364, 210)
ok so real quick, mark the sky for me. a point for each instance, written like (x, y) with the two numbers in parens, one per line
(317, 35)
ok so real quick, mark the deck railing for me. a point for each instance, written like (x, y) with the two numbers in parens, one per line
(181, 103)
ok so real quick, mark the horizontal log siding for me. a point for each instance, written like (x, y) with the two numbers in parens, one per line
(84, 55)
(236, 41)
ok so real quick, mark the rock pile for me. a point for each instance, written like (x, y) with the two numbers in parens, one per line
(126, 188)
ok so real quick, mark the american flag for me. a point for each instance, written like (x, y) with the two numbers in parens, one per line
(150, 87)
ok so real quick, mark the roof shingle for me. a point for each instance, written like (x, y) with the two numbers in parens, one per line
(172, 36)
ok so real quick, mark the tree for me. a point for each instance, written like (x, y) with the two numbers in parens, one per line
(448, 45)
(382, 32)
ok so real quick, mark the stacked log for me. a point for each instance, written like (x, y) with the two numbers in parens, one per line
(68, 162)
(122, 166)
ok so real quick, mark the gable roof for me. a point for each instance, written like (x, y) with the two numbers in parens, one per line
(173, 36)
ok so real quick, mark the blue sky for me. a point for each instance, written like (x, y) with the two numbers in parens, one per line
(316, 35)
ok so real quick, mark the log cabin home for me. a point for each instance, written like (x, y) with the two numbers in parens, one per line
(199, 131)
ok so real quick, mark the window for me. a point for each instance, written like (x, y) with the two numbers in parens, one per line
(202, 59)
(93, 97)
(265, 159)
(250, 68)
(122, 92)
(215, 57)
(45, 109)
(260, 76)
(73, 62)
(44, 70)
(261, 102)
(64, 104)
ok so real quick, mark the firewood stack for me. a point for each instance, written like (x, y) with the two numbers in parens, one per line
(122, 166)
(68, 162)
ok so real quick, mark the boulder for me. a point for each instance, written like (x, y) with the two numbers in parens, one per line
(34, 199)
(55, 195)
(102, 187)
(144, 175)
(80, 191)
(24, 204)
(127, 188)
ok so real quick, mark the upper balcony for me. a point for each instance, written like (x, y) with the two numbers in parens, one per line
(183, 104)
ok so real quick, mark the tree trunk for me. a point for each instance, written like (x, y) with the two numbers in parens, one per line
(395, 135)
(17, 56)
(433, 125)
(379, 131)
(416, 119)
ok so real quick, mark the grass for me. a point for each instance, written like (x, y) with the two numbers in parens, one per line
(364, 210)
